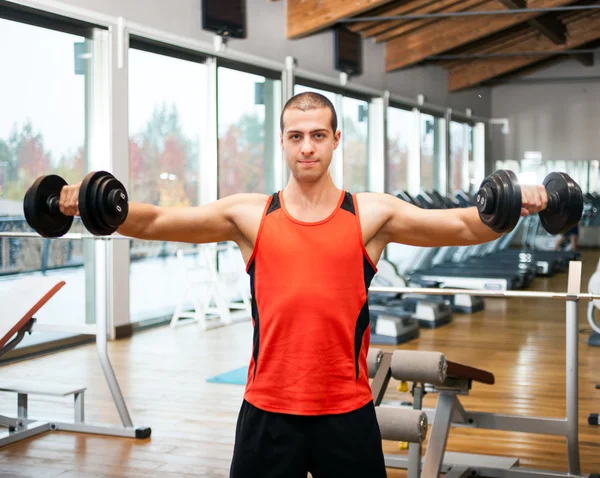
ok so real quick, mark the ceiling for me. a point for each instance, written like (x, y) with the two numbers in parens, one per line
(481, 47)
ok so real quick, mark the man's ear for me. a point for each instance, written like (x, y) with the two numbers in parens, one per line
(337, 137)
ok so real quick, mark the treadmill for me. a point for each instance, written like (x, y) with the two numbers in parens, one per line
(428, 311)
(477, 272)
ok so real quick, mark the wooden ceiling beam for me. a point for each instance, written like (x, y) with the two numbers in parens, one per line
(548, 25)
(451, 33)
(409, 26)
(405, 8)
(380, 27)
(305, 17)
(582, 30)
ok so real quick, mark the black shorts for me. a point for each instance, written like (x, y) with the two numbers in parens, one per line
(276, 445)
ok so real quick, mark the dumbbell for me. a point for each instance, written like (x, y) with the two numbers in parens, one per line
(103, 205)
(499, 202)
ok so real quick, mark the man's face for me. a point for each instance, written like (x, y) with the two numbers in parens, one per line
(308, 142)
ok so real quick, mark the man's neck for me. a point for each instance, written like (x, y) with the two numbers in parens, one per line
(310, 194)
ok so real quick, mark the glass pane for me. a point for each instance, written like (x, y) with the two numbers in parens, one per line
(167, 114)
(400, 133)
(593, 181)
(355, 135)
(459, 150)
(248, 119)
(43, 121)
(433, 152)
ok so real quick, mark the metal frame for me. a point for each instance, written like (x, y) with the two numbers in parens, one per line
(474, 56)
(471, 13)
(26, 428)
(450, 412)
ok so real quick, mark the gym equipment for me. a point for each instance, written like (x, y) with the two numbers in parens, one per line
(20, 303)
(402, 427)
(565, 203)
(41, 207)
(457, 381)
(499, 202)
(394, 311)
(103, 205)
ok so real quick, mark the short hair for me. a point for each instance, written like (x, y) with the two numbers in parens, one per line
(309, 101)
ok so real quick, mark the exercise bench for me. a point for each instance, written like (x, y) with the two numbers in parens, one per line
(431, 372)
(20, 303)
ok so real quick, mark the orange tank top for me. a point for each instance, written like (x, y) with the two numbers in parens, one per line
(309, 283)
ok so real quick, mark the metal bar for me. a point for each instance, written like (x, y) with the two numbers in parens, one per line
(486, 293)
(67, 236)
(572, 389)
(22, 405)
(30, 430)
(434, 456)
(572, 372)
(8, 421)
(472, 56)
(79, 407)
(109, 374)
(381, 379)
(471, 13)
(453, 459)
(117, 431)
(516, 423)
(415, 450)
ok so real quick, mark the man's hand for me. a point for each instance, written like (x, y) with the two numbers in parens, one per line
(69, 200)
(534, 199)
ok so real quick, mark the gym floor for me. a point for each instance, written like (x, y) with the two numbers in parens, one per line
(163, 375)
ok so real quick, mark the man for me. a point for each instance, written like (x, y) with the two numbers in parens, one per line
(310, 251)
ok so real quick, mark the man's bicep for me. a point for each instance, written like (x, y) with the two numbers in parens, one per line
(208, 223)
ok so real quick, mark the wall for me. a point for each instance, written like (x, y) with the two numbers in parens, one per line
(555, 111)
(267, 38)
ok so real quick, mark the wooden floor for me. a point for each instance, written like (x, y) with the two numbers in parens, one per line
(163, 373)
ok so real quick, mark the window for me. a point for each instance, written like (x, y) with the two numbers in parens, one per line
(460, 154)
(43, 131)
(167, 118)
(400, 133)
(249, 108)
(433, 153)
(355, 136)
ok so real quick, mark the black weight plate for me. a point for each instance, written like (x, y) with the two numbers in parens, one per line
(570, 205)
(87, 202)
(99, 206)
(35, 207)
(109, 215)
(488, 218)
(513, 212)
(506, 200)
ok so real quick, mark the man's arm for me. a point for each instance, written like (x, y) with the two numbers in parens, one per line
(214, 222)
(203, 224)
(408, 224)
